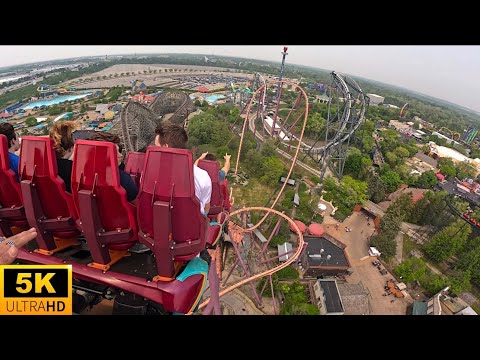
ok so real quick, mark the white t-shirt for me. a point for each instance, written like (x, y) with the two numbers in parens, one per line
(203, 187)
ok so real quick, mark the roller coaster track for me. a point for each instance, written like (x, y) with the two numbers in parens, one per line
(138, 121)
(452, 133)
(293, 257)
(176, 102)
(348, 123)
(455, 211)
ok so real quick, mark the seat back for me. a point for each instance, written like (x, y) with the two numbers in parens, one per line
(95, 169)
(168, 177)
(11, 203)
(216, 200)
(10, 193)
(134, 165)
(48, 207)
(38, 163)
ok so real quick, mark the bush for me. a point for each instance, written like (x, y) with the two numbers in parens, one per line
(267, 292)
(287, 273)
(339, 216)
(278, 240)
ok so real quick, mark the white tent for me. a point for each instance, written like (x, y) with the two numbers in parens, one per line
(322, 207)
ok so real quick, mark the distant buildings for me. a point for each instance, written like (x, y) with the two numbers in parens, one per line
(399, 126)
(449, 140)
(437, 151)
(376, 99)
(469, 134)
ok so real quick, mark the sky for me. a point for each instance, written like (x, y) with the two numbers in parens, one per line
(451, 73)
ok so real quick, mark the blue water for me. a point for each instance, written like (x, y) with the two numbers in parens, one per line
(57, 100)
(213, 98)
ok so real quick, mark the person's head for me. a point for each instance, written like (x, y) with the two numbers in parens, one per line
(211, 157)
(12, 138)
(62, 135)
(109, 137)
(171, 135)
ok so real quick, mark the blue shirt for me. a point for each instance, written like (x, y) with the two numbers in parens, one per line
(14, 160)
(221, 175)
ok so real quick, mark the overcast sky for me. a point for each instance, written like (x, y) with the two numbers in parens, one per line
(447, 72)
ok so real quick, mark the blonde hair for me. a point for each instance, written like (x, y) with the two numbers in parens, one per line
(62, 135)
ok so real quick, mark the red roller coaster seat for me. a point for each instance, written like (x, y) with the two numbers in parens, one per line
(169, 217)
(11, 212)
(107, 218)
(134, 165)
(48, 207)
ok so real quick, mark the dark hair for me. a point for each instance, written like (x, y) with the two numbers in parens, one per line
(108, 137)
(8, 130)
(62, 135)
(172, 135)
(105, 136)
(210, 157)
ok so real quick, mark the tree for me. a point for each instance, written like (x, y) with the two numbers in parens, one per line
(401, 208)
(273, 169)
(353, 163)
(31, 121)
(401, 152)
(385, 244)
(412, 269)
(448, 170)
(448, 241)
(391, 180)
(315, 124)
(427, 180)
(391, 158)
(375, 188)
(465, 170)
(460, 282)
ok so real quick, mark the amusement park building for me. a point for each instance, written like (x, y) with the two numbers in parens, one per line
(449, 141)
(442, 151)
(376, 99)
(327, 297)
(324, 256)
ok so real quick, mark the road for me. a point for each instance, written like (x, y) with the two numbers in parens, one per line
(450, 186)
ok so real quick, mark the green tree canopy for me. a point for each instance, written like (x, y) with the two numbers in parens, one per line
(427, 180)
(391, 180)
(31, 121)
(375, 188)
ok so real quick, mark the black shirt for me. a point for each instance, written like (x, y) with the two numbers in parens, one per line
(129, 185)
(65, 172)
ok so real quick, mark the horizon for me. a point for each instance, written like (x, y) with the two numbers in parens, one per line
(411, 68)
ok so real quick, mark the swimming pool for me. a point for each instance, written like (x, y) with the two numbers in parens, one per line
(214, 97)
(57, 100)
